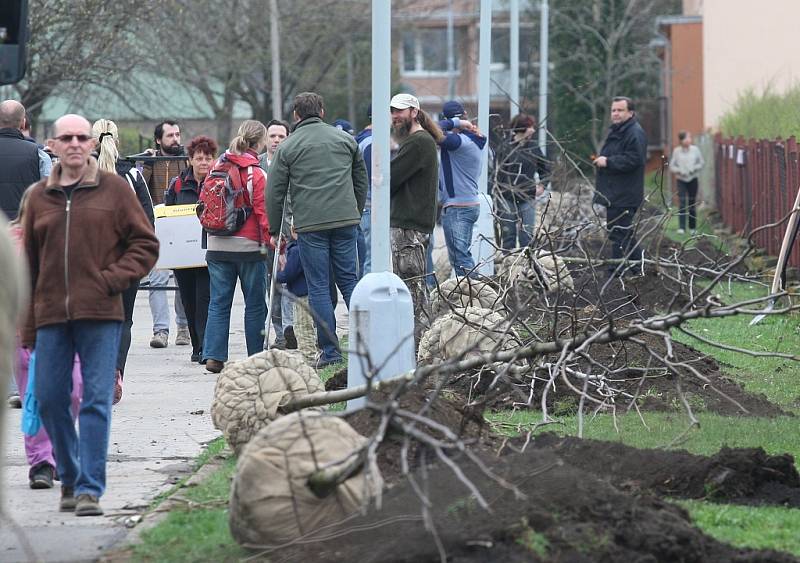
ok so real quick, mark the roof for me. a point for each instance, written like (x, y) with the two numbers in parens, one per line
(140, 96)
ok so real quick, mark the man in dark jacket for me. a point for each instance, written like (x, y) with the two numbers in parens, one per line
(19, 158)
(522, 176)
(86, 239)
(620, 179)
(323, 171)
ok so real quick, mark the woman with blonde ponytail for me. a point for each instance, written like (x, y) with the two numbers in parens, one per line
(239, 255)
(106, 135)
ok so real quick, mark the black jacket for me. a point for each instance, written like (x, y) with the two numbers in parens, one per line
(19, 168)
(621, 183)
(136, 181)
(517, 166)
(183, 189)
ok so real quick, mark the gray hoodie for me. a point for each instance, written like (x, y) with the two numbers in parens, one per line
(686, 163)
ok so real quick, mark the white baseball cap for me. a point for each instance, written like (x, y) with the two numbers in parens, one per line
(404, 101)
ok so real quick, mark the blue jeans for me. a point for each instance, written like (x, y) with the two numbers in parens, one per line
(253, 278)
(517, 221)
(364, 241)
(80, 460)
(458, 223)
(319, 252)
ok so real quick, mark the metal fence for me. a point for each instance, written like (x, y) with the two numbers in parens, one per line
(756, 184)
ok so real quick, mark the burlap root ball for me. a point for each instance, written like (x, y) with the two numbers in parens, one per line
(473, 328)
(271, 503)
(542, 270)
(463, 292)
(249, 394)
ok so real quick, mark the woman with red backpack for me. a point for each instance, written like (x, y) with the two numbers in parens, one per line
(233, 213)
(193, 283)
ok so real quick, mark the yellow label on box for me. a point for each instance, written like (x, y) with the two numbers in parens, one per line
(174, 210)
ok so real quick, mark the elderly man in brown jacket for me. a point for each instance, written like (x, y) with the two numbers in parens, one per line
(87, 239)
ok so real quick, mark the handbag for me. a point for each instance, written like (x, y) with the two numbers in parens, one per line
(31, 421)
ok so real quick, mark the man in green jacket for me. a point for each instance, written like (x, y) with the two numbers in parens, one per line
(322, 170)
(414, 186)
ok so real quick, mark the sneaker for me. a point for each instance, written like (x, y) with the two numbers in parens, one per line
(214, 366)
(182, 338)
(279, 344)
(322, 363)
(41, 476)
(196, 357)
(117, 388)
(160, 339)
(681, 231)
(68, 500)
(14, 401)
(291, 339)
(87, 505)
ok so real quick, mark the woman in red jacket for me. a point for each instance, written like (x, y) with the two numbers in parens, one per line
(240, 255)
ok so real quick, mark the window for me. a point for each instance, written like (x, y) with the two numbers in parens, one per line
(425, 50)
(501, 45)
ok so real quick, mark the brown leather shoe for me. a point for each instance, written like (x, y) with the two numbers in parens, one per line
(87, 505)
(214, 366)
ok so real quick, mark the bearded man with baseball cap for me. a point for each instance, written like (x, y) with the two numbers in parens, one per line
(414, 184)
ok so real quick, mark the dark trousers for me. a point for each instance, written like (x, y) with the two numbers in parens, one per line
(128, 301)
(687, 194)
(619, 223)
(195, 290)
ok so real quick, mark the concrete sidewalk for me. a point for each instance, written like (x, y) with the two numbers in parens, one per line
(158, 428)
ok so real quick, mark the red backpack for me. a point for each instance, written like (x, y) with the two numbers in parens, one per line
(225, 204)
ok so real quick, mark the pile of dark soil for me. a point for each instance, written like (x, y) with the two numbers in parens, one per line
(557, 512)
(468, 426)
(740, 475)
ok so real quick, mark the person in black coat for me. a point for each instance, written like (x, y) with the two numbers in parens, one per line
(193, 283)
(522, 175)
(106, 136)
(620, 179)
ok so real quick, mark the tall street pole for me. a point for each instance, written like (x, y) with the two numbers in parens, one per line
(513, 90)
(544, 66)
(381, 310)
(275, 50)
(381, 94)
(451, 66)
(482, 250)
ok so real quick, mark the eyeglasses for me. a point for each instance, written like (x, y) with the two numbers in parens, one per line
(68, 138)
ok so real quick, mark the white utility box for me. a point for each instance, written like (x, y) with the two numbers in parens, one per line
(180, 236)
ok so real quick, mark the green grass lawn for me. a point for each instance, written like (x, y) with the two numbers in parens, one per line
(778, 379)
(746, 526)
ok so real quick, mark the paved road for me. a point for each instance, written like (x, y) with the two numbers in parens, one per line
(158, 428)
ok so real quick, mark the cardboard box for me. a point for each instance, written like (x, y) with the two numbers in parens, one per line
(180, 235)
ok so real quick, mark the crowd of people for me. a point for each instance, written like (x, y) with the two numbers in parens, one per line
(284, 213)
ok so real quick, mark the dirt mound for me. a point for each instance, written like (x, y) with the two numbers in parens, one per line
(740, 475)
(557, 513)
(470, 428)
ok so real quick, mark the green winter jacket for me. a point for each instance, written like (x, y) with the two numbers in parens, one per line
(323, 171)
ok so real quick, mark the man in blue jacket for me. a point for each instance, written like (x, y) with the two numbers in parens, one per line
(458, 184)
(620, 179)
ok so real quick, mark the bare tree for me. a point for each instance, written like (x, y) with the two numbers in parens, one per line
(79, 43)
(601, 48)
